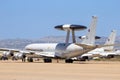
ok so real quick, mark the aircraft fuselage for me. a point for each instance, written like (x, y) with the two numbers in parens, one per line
(61, 50)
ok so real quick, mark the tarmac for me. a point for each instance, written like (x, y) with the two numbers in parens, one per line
(17, 70)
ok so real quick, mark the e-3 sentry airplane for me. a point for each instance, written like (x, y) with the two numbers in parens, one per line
(62, 50)
(65, 50)
(104, 51)
(56, 50)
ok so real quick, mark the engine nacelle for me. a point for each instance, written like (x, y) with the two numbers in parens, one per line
(82, 37)
(84, 57)
(19, 55)
(8, 53)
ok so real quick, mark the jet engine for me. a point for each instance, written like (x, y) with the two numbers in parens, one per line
(18, 56)
(7, 54)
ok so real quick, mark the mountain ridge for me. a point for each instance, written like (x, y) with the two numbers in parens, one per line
(21, 43)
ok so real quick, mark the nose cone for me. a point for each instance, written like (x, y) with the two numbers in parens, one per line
(28, 47)
(34, 47)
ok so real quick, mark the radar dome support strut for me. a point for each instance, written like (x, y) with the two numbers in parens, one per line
(73, 36)
(70, 28)
(68, 36)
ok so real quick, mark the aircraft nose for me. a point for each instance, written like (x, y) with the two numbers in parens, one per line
(28, 47)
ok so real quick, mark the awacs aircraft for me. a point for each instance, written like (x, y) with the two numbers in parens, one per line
(62, 50)
(104, 51)
(59, 50)
(65, 50)
(109, 51)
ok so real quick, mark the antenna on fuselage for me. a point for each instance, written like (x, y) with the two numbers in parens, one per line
(70, 28)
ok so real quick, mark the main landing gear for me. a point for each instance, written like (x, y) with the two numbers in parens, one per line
(4, 58)
(47, 60)
(68, 61)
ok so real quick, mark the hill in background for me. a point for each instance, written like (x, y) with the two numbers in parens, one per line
(21, 43)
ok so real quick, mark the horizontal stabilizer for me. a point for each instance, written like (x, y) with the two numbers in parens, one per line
(83, 37)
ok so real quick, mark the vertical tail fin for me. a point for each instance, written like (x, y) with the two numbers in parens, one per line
(110, 40)
(90, 37)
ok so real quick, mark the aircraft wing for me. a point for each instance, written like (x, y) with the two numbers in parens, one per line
(99, 46)
(88, 48)
(46, 54)
(7, 49)
(17, 50)
(96, 46)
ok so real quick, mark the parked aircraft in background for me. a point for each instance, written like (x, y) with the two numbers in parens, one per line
(104, 51)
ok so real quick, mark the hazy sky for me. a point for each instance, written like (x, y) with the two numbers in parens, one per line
(37, 18)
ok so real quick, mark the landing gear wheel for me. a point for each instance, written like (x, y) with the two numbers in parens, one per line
(30, 59)
(110, 56)
(13, 58)
(47, 60)
(68, 61)
(4, 58)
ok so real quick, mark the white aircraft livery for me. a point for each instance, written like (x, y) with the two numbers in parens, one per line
(61, 50)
